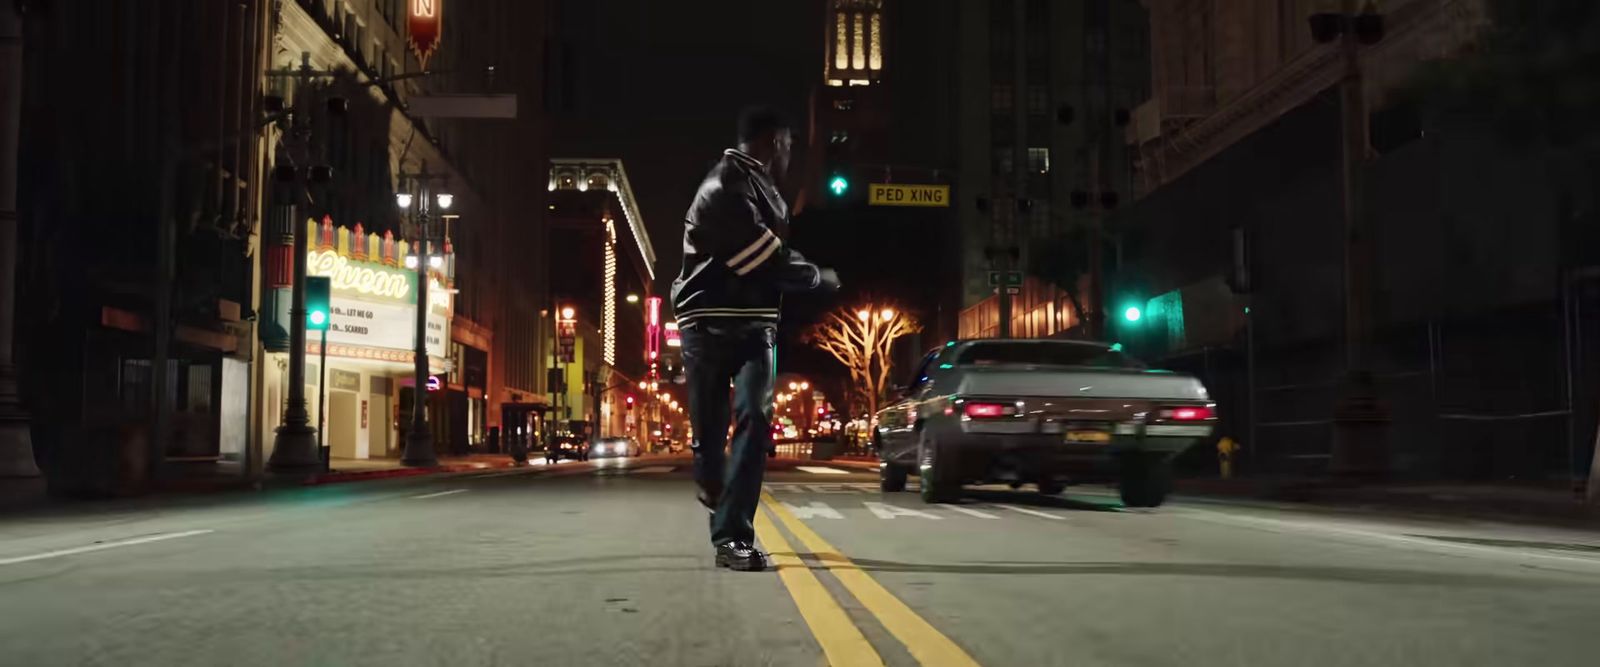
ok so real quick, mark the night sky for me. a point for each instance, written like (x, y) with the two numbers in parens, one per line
(661, 87)
(661, 84)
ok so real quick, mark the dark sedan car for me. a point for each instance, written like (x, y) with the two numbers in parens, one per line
(567, 447)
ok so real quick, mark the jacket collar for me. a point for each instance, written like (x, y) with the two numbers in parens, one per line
(746, 159)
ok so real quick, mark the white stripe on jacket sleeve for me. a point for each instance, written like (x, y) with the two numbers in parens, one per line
(765, 238)
(758, 259)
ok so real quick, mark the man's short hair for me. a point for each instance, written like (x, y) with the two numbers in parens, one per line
(760, 121)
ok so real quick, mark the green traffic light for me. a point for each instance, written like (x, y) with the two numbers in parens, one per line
(1132, 314)
(839, 186)
(317, 302)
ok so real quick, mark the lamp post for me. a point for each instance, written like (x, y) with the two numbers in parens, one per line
(419, 450)
(1360, 420)
(294, 447)
(16, 445)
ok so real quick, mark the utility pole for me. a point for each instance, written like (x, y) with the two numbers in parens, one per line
(16, 443)
(1360, 420)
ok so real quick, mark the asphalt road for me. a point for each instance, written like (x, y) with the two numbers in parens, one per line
(606, 563)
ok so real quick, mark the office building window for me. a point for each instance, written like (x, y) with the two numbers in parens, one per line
(1004, 159)
(1038, 100)
(1039, 160)
(858, 50)
(875, 54)
(841, 57)
(1039, 218)
(1000, 97)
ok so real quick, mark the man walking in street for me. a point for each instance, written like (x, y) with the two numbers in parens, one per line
(736, 268)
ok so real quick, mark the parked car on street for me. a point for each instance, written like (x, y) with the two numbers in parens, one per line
(1042, 412)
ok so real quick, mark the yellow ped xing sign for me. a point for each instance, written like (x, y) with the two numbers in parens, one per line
(895, 194)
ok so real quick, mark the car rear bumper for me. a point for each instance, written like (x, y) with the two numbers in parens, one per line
(985, 455)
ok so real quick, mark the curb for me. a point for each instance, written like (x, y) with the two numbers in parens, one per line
(392, 473)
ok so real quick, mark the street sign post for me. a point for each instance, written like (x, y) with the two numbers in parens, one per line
(898, 194)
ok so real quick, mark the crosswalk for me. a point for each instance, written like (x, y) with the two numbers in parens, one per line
(862, 500)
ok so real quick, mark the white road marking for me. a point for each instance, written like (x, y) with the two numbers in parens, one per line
(451, 492)
(1025, 510)
(781, 487)
(508, 473)
(100, 547)
(887, 511)
(650, 470)
(813, 510)
(832, 489)
(970, 512)
(1426, 544)
(820, 470)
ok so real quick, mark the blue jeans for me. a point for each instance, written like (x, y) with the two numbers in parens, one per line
(713, 355)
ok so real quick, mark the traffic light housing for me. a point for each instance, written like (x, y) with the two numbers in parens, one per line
(318, 298)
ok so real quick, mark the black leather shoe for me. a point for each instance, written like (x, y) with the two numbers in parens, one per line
(741, 556)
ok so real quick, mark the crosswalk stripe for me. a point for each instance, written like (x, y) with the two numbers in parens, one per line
(651, 470)
(814, 509)
(971, 512)
(1025, 510)
(822, 470)
(887, 511)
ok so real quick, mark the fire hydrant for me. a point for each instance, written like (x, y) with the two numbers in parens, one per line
(1225, 450)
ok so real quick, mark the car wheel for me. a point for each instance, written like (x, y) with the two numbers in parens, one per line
(1145, 481)
(891, 477)
(938, 484)
(1052, 488)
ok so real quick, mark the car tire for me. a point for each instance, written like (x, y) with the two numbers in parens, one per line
(1052, 488)
(938, 484)
(891, 477)
(1145, 481)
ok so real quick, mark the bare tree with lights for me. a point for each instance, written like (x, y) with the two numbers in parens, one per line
(862, 339)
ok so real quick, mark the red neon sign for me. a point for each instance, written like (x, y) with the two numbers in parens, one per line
(422, 28)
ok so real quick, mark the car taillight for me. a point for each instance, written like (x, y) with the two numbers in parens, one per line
(988, 410)
(1190, 413)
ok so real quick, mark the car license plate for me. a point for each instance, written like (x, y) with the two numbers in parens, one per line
(1088, 436)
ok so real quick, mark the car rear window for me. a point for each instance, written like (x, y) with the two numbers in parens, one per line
(1045, 354)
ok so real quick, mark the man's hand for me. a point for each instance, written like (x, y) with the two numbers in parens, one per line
(827, 280)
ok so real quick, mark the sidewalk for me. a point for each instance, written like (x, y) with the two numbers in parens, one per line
(28, 493)
(1543, 501)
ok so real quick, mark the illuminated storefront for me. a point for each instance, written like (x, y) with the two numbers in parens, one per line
(367, 381)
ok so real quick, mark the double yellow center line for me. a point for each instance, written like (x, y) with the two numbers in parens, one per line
(842, 642)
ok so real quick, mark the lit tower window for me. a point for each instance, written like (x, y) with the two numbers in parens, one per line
(841, 59)
(875, 50)
(858, 50)
(853, 41)
(608, 313)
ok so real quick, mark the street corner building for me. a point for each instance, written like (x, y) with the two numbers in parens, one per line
(364, 362)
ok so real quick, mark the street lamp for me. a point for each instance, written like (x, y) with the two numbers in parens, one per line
(887, 314)
(632, 298)
(419, 449)
(864, 315)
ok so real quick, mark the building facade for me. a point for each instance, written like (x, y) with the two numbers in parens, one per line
(1239, 235)
(605, 275)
